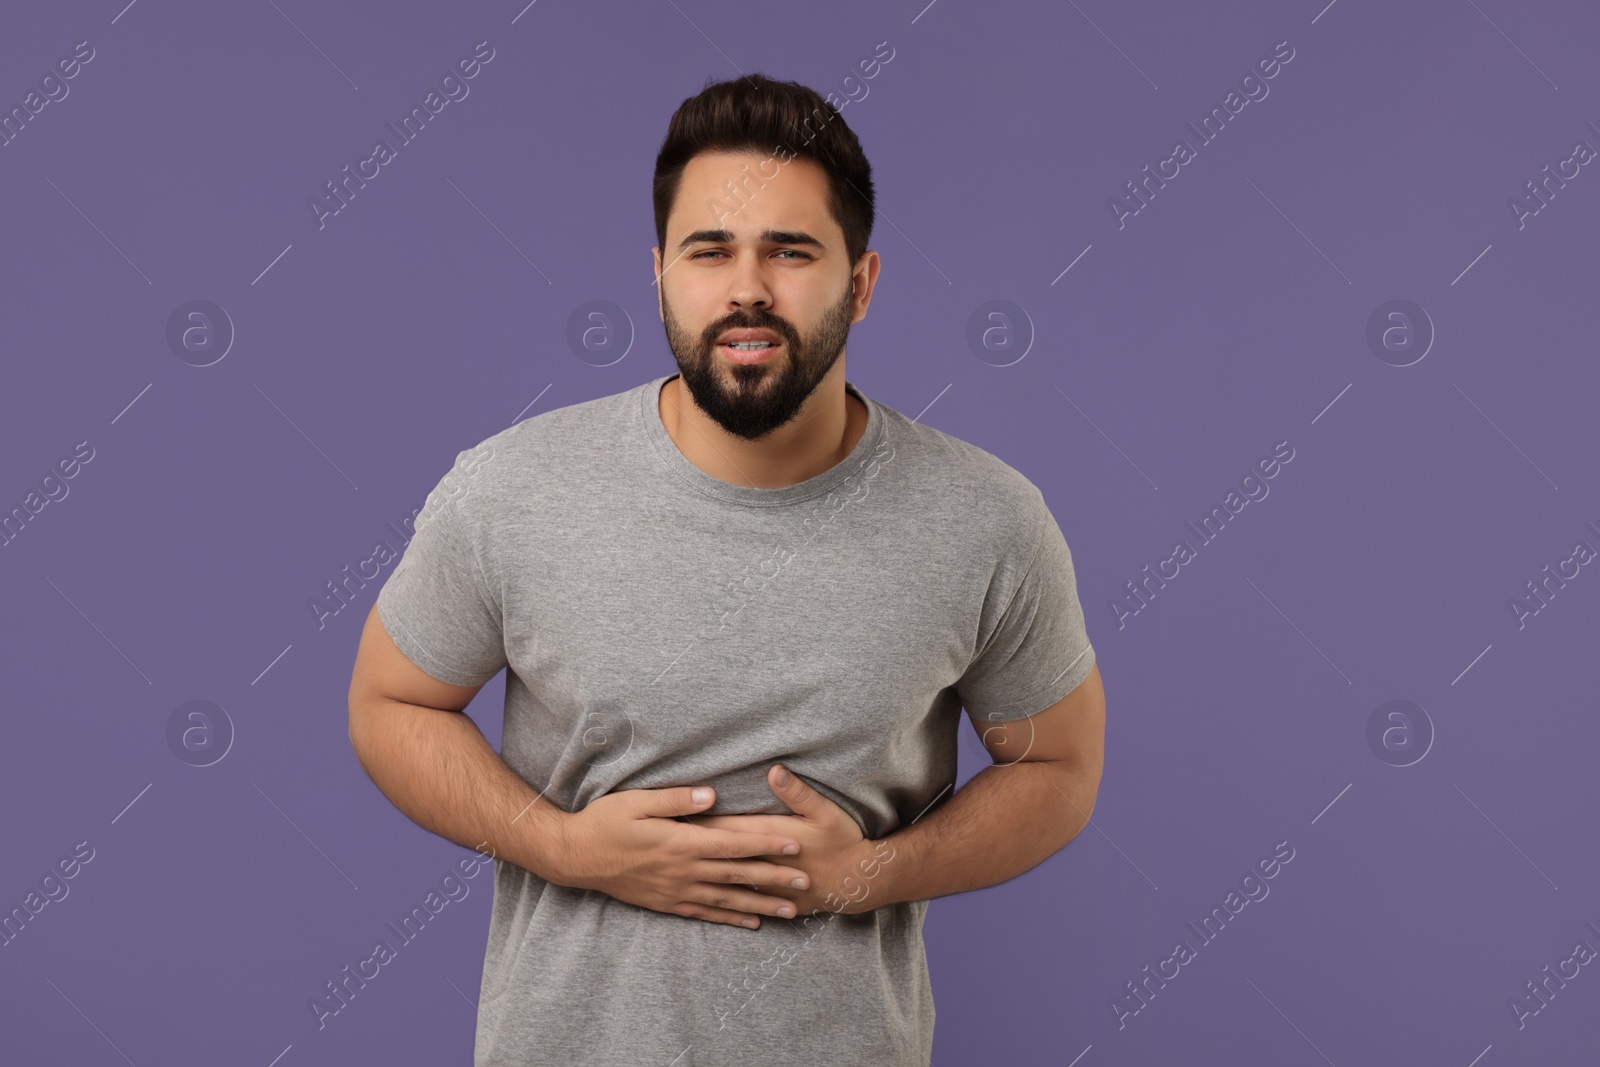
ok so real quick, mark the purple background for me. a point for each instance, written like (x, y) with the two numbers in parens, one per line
(1228, 315)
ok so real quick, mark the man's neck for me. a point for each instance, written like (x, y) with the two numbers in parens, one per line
(827, 428)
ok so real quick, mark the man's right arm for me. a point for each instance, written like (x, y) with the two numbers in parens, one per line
(429, 758)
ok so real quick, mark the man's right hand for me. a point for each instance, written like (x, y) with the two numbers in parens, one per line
(630, 846)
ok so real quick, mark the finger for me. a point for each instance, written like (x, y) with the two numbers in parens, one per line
(735, 871)
(749, 823)
(673, 801)
(736, 844)
(746, 900)
(753, 874)
(717, 915)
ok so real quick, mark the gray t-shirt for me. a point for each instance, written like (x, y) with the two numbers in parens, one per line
(665, 628)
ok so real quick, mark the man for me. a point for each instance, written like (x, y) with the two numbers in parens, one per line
(747, 581)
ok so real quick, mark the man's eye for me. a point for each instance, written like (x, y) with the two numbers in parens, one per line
(781, 252)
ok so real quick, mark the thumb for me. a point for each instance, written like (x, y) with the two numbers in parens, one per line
(800, 797)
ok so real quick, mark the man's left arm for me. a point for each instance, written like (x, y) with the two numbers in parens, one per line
(1009, 817)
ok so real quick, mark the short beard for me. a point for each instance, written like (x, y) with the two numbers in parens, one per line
(753, 406)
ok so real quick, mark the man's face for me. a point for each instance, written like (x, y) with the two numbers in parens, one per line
(778, 264)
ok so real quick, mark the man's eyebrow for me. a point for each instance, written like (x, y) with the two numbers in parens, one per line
(777, 237)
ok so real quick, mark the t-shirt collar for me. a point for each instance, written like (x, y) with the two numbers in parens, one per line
(691, 476)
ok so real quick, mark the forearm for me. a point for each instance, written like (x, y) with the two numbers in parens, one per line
(438, 768)
(1006, 820)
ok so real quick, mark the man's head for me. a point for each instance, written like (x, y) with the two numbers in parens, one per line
(763, 208)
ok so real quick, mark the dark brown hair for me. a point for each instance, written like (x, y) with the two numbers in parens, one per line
(781, 120)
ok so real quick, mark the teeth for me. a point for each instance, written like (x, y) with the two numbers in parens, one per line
(749, 345)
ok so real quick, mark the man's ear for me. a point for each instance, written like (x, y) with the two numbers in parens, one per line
(655, 256)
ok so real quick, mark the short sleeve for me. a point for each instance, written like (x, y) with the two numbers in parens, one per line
(436, 605)
(1039, 649)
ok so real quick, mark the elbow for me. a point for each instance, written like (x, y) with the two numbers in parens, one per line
(1092, 795)
(360, 711)
(1080, 784)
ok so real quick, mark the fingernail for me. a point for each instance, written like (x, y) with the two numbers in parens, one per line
(790, 850)
(782, 777)
(786, 911)
(700, 795)
(798, 883)
(751, 923)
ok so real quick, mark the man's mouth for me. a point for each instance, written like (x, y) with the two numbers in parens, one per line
(747, 351)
